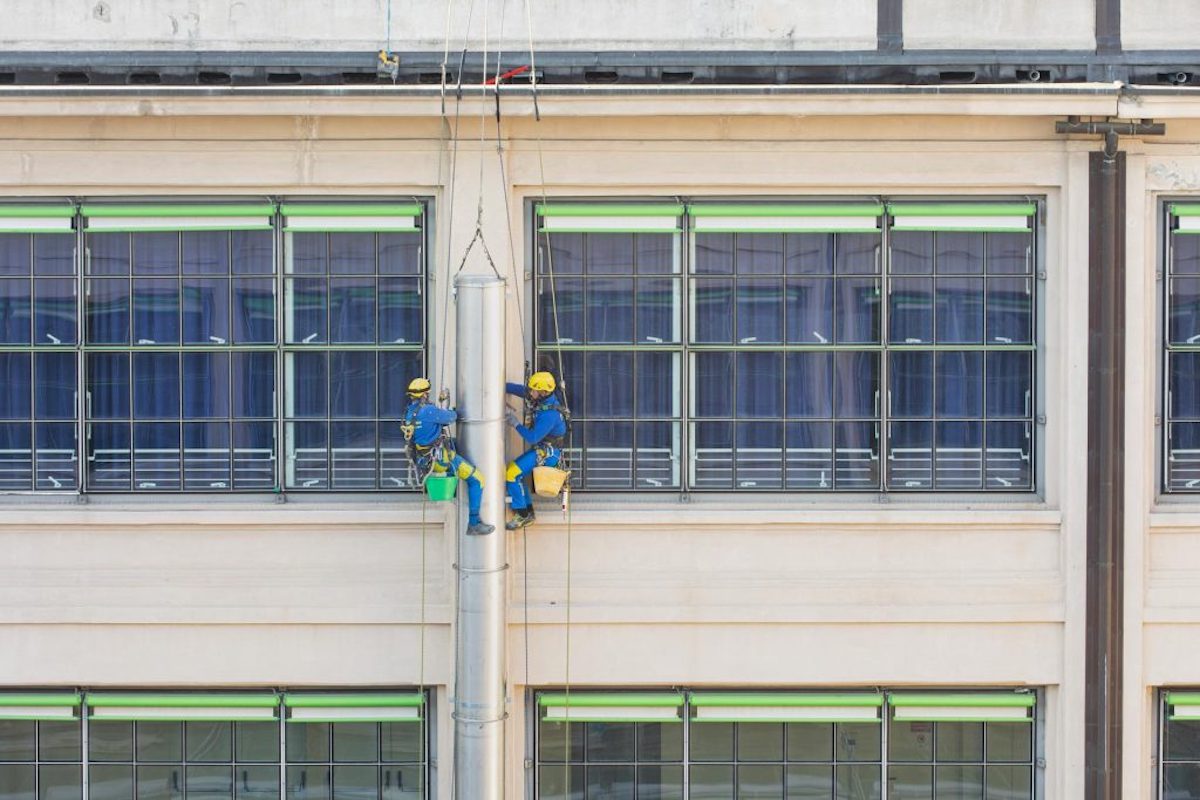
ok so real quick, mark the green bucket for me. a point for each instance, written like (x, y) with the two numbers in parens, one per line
(441, 487)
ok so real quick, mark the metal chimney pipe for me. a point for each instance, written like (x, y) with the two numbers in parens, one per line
(479, 696)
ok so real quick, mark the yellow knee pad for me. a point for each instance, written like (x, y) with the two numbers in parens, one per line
(513, 472)
(466, 470)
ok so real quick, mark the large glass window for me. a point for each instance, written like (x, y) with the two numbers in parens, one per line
(844, 346)
(1182, 344)
(786, 746)
(41, 758)
(1179, 745)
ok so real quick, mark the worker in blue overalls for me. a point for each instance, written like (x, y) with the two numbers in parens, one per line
(545, 438)
(432, 450)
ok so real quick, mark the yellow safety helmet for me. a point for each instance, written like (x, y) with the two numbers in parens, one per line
(418, 387)
(541, 382)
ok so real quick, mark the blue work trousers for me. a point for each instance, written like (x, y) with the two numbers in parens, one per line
(449, 461)
(520, 468)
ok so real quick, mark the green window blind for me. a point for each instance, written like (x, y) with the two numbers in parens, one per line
(610, 218)
(352, 217)
(982, 217)
(785, 707)
(1185, 218)
(1183, 705)
(617, 707)
(949, 707)
(334, 707)
(39, 705)
(787, 218)
(183, 707)
(37, 219)
(187, 217)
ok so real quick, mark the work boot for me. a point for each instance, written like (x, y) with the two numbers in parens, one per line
(479, 528)
(520, 519)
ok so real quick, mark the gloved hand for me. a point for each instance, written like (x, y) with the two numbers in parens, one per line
(512, 419)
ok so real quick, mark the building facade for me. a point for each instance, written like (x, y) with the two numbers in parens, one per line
(816, 280)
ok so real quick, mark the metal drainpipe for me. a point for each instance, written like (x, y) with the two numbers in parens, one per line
(1106, 472)
(479, 701)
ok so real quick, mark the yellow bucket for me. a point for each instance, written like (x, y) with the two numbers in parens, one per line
(548, 481)
(440, 488)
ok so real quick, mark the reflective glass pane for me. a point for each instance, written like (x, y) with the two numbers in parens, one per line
(809, 385)
(654, 253)
(352, 384)
(712, 311)
(561, 783)
(110, 741)
(205, 385)
(1013, 741)
(205, 311)
(910, 782)
(308, 253)
(308, 742)
(400, 253)
(959, 310)
(712, 741)
(660, 783)
(155, 311)
(253, 252)
(808, 253)
(18, 782)
(354, 451)
(254, 383)
(910, 314)
(395, 371)
(760, 741)
(400, 310)
(857, 253)
(1010, 310)
(910, 455)
(958, 782)
(959, 389)
(1185, 254)
(713, 385)
(156, 386)
(608, 459)
(254, 455)
(156, 456)
(912, 252)
(16, 310)
(308, 380)
(206, 457)
(561, 254)
(758, 253)
(856, 310)
(759, 385)
(659, 741)
(353, 783)
(18, 740)
(352, 310)
(16, 389)
(714, 254)
(209, 741)
(53, 254)
(108, 385)
(809, 310)
(205, 252)
(355, 741)
(211, 783)
(110, 782)
(959, 253)
(1009, 253)
(610, 741)
(711, 782)
(308, 466)
(155, 253)
(759, 457)
(60, 741)
(253, 310)
(858, 741)
(808, 460)
(960, 456)
(306, 313)
(256, 783)
(810, 741)
(1184, 311)
(400, 741)
(159, 741)
(960, 741)
(16, 456)
(16, 254)
(809, 782)
(312, 782)
(610, 311)
(760, 781)
(401, 783)
(556, 738)
(759, 312)
(910, 741)
(1183, 385)
(560, 310)
(352, 253)
(107, 254)
(657, 456)
(57, 453)
(856, 384)
(256, 741)
(911, 383)
(609, 253)
(1016, 783)
(56, 378)
(657, 384)
(858, 455)
(1009, 456)
(54, 308)
(108, 311)
(1009, 384)
(610, 384)
(857, 782)
(657, 310)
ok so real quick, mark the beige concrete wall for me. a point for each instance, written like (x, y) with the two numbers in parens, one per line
(422, 25)
(1008, 25)
(1159, 24)
(784, 590)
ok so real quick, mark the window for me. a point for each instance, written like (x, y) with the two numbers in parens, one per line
(840, 346)
(1179, 744)
(235, 746)
(198, 352)
(785, 745)
(1182, 340)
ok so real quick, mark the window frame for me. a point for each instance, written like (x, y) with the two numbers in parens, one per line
(548, 353)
